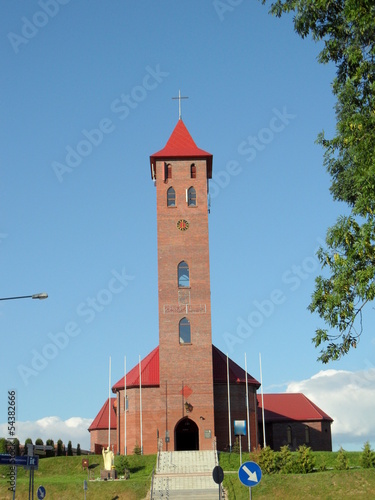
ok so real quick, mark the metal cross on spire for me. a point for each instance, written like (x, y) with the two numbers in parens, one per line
(179, 103)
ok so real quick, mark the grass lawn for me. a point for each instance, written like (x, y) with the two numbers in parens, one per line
(63, 479)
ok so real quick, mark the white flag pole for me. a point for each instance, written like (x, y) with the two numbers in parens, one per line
(140, 401)
(125, 405)
(261, 385)
(109, 405)
(229, 419)
(247, 408)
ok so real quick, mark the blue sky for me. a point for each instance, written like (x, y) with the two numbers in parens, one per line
(98, 78)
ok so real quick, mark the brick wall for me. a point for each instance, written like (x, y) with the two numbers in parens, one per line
(187, 365)
(238, 412)
(318, 437)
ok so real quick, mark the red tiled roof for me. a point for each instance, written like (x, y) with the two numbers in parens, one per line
(149, 372)
(236, 373)
(101, 419)
(289, 406)
(181, 145)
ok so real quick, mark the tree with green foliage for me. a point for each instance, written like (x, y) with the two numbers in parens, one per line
(70, 449)
(27, 441)
(342, 461)
(50, 453)
(3, 445)
(16, 446)
(367, 459)
(347, 30)
(60, 448)
(39, 442)
(78, 449)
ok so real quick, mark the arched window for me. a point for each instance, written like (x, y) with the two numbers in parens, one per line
(183, 275)
(307, 434)
(171, 197)
(167, 171)
(193, 171)
(192, 197)
(184, 331)
(289, 434)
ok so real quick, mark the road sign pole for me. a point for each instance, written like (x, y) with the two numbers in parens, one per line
(15, 484)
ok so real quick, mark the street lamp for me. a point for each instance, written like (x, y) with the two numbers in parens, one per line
(39, 296)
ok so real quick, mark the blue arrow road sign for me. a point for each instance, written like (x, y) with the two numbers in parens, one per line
(41, 493)
(250, 474)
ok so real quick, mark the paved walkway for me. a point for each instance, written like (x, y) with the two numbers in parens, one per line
(185, 474)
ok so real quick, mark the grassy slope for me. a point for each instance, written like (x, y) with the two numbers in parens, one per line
(63, 479)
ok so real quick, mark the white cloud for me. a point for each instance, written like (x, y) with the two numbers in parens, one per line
(73, 429)
(347, 397)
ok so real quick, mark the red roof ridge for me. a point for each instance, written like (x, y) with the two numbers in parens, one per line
(298, 407)
(236, 373)
(181, 145)
(149, 373)
(101, 419)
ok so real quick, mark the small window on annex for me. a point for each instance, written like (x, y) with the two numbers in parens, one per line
(183, 275)
(126, 404)
(192, 197)
(307, 434)
(171, 197)
(184, 331)
(289, 434)
(193, 171)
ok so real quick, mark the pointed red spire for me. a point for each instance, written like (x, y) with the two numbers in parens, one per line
(181, 145)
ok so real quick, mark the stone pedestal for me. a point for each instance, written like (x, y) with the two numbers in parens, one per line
(108, 474)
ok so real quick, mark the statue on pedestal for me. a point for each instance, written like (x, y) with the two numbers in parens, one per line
(108, 458)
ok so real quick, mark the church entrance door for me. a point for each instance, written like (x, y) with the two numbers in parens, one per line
(186, 435)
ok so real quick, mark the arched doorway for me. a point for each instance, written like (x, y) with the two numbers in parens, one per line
(186, 435)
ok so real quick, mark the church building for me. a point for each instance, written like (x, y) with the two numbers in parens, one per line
(185, 394)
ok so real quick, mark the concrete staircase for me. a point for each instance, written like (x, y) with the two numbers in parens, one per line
(185, 474)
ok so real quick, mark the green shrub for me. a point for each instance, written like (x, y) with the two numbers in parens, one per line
(236, 447)
(137, 450)
(305, 461)
(284, 460)
(267, 460)
(70, 449)
(342, 462)
(367, 459)
(39, 442)
(78, 449)
(122, 466)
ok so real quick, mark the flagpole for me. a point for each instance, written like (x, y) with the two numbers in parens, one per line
(261, 385)
(140, 401)
(229, 420)
(247, 408)
(125, 405)
(109, 405)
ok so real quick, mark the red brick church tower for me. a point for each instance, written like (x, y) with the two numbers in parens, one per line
(177, 397)
(181, 171)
